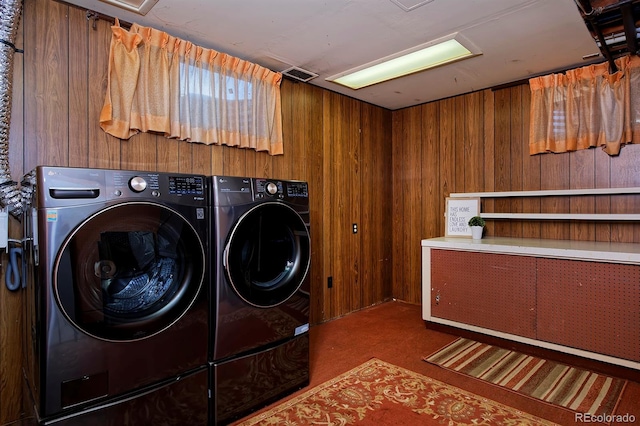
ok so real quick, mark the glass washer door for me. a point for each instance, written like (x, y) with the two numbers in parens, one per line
(129, 271)
(267, 255)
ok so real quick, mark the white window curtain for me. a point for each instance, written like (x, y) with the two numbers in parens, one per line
(159, 83)
(586, 107)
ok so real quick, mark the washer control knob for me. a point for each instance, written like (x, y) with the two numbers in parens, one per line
(137, 184)
(272, 188)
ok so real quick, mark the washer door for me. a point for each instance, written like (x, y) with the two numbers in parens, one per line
(267, 255)
(129, 271)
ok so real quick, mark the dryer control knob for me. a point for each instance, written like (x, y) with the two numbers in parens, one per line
(272, 188)
(137, 184)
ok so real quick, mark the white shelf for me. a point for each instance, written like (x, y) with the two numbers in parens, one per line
(561, 216)
(596, 251)
(552, 193)
(547, 193)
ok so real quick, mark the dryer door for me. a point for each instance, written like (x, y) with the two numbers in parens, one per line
(267, 255)
(129, 271)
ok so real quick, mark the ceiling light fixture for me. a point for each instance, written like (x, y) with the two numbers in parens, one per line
(445, 50)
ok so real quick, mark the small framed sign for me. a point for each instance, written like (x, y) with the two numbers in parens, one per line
(459, 211)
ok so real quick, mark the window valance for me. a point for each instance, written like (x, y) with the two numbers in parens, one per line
(586, 107)
(159, 83)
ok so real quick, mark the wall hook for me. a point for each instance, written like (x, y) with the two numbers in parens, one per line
(93, 16)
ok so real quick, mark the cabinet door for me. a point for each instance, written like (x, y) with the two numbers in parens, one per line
(493, 291)
(590, 305)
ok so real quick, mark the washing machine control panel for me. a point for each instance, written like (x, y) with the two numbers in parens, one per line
(135, 182)
(165, 186)
(232, 190)
(268, 188)
(279, 189)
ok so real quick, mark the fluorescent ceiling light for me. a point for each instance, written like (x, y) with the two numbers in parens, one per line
(429, 55)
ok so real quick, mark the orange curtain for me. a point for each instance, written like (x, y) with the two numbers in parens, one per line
(586, 107)
(159, 83)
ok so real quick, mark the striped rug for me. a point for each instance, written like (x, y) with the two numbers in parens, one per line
(579, 390)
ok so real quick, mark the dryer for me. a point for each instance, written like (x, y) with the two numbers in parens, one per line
(261, 255)
(117, 306)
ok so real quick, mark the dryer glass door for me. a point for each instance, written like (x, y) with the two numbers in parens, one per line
(267, 255)
(129, 271)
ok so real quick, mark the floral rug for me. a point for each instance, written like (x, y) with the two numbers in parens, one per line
(377, 393)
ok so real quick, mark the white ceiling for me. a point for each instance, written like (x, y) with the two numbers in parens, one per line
(518, 38)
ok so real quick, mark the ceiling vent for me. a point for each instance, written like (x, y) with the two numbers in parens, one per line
(140, 7)
(299, 74)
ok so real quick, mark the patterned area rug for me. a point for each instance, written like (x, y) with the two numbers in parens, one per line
(378, 393)
(579, 390)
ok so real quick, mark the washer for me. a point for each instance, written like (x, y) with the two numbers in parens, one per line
(117, 297)
(261, 255)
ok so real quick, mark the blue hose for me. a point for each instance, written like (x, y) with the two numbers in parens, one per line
(12, 277)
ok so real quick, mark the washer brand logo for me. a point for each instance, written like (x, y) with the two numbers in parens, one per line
(52, 216)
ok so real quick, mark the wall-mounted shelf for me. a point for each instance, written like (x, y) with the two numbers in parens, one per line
(561, 216)
(555, 193)
(548, 193)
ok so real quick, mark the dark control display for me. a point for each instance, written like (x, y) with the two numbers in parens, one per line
(187, 185)
(297, 189)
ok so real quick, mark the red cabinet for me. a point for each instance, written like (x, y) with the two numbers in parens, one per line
(584, 305)
(487, 290)
(593, 306)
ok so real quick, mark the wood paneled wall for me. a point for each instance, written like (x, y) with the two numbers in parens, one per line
(341, 146)
(479, 142)
(387, 172)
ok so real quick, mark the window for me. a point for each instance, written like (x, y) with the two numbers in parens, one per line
(586, 107)
(159, 83)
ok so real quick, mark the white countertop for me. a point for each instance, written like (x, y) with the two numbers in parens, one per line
(559, 249)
